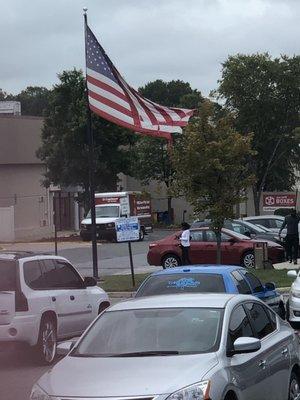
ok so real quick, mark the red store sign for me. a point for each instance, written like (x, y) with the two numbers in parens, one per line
(273, 201)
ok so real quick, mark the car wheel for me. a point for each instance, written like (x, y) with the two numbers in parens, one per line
(248, 260)
(170, 261)
(142, 235)
(281, 311)
(294, 389)
(47, 341)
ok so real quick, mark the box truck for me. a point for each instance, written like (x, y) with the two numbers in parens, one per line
(110, 206)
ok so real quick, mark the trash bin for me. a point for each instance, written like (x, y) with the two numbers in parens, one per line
(261, 255)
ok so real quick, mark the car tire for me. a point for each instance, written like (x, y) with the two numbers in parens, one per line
(294, 387)
(281, 311)
(248, 260)
(170, 261)
(142, 235)
(47, 341)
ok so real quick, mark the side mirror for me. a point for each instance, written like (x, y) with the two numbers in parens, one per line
(244, 345)
(270, 286)
(292, 274)
(89, 281)
(64, 348)
(232, 240)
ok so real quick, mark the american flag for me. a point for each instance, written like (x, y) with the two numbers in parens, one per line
(113, 99)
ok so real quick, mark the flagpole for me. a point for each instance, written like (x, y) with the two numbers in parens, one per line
(91, 165)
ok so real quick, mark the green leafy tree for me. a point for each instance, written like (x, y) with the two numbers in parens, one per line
(151, 157)
(64, 147)
(211, 167)
(264, 95)
(34, 100)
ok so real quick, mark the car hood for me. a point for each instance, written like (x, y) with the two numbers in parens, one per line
(124, 377)
(269, 242)
(106, 220)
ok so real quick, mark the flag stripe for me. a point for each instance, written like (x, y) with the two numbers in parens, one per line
(113, 99)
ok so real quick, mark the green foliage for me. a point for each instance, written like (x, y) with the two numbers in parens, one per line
(264, 94)
(211, 166)
(34, 100)
(64, 147)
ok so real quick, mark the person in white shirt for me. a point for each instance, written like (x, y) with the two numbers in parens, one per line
(185, 243)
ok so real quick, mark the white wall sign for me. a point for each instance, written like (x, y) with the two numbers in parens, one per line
(127, 229)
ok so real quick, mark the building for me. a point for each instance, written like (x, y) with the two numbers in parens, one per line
(26, 206)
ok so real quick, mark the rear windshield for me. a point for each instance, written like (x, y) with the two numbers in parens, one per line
(7, 275)
(182, 283)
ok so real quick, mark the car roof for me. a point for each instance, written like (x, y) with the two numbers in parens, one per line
(187, 300)
(263, 217)
(17, 255)
(203, 268)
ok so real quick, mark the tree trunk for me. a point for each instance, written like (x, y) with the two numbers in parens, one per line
(256, 199)
(170, 211)
(218, 236)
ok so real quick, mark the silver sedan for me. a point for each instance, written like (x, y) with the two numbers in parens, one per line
(187, 347)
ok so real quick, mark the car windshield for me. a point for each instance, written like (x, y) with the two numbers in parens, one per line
(236, 235)
(105, 212)
(257, 228)
(151, 332)
(182, 283)
(7, 275)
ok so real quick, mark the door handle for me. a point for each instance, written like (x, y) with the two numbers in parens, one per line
(53, 298)
(262, 363)
(284, 351)
(72, 297)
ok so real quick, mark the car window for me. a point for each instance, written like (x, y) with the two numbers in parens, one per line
(60, 274)
(182, 283)
(196, 236)
(260, 320)
(255, 283)
(241, 283)
(263, 222)
(7, 275)
(239, 228)
(239, 326)
(272, 316)
(33, 275)
(276, 223)
(211, 236)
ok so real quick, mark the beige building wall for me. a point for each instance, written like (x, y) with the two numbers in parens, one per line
(21, 175)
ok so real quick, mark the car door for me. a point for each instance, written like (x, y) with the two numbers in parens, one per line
(197, 247)
(229, 248)
(274, 344)
(79, 312)
(246, 370)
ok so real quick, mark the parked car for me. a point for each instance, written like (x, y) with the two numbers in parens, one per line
(236, 249)
(211, 279)
(245, 228)
(194, 346)
(272, 222)
(44, 299)
(293, 303)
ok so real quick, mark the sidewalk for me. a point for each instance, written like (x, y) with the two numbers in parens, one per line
(287, 265)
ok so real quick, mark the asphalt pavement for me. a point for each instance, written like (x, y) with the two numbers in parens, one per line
(113, 258)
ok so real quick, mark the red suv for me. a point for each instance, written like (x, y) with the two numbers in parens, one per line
(236, 249)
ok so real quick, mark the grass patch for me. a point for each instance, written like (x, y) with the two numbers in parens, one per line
(123, 283)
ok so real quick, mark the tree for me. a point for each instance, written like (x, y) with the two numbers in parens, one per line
(64, 147)
(264, 94)
(151, 159)
(34, 100)
(211, 167)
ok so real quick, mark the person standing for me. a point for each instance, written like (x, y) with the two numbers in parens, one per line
(185, 243)
(291, 223)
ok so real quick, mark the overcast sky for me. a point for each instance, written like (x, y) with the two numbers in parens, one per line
(146, 39)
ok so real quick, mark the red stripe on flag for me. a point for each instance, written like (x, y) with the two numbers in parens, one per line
(106, 87)
(110, 103)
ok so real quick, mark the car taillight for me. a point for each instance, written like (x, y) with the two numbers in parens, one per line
(151, 245)
(21, 301)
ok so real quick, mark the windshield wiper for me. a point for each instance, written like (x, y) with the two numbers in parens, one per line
(147, 353)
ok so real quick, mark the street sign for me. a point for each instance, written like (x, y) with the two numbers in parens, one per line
(127, 229)
(272, 201)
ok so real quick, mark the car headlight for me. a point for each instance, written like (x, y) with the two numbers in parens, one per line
(38, 394)
(295, 293)
(198, 391)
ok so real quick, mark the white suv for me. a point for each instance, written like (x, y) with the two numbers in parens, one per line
(44, 299)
